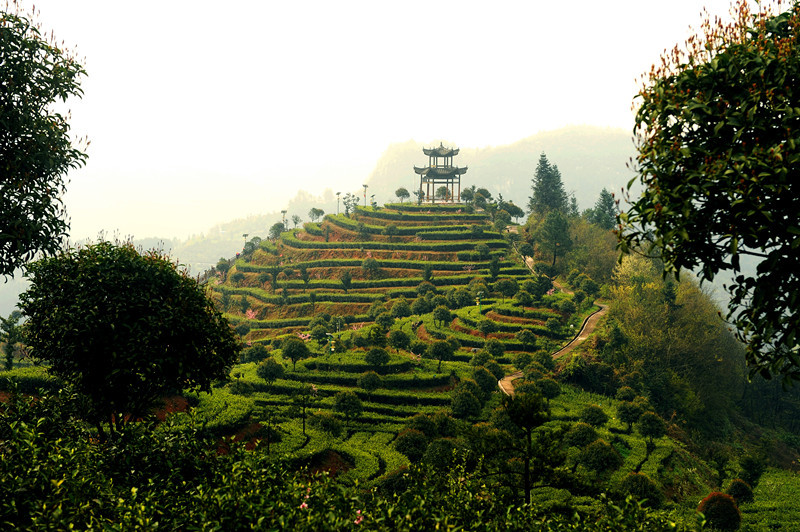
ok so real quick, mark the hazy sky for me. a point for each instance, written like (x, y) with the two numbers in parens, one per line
(201, 112)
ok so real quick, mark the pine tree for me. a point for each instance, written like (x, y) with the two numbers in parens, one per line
(548, 190)
(604, 213)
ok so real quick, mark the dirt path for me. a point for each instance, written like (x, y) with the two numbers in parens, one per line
(588, 327)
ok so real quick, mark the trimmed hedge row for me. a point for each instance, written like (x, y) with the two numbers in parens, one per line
(289, 240)
(387, 369)
(508, 265)
(457, 235)
(313, 228)
(305, 298)
(530, 314)
(390, 215)
(413, 207)
(514, 327)
(352, 225)
(388, 383)
(286, 322)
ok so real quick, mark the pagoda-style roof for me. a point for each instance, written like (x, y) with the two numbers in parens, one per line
(441, 151)
(443, 172)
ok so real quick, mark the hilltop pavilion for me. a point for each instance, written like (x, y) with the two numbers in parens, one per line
(440, 171)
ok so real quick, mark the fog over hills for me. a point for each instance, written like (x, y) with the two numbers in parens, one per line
(589, 159)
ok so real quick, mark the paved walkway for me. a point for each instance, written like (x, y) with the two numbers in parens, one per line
(588, 327)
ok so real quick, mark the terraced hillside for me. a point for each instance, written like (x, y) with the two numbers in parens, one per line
(423, 296)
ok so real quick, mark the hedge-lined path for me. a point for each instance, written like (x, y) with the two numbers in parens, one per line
(588, 327)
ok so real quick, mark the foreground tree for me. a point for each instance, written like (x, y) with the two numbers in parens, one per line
(124, 328)
(36, 150)
(553, 235)
(718, 159)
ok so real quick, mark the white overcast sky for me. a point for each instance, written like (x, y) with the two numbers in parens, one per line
(202, 112)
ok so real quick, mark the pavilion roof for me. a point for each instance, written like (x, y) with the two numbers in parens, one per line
(441, 151)
(444, 171)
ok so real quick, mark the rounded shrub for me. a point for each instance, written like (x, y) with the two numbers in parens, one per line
(411, 443)
(740, 491)
(720, 511)
(600, 456)
(594, 415)
(626, 393)
(580, 435)
(642, 488)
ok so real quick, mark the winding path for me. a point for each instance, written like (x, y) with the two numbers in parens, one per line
(589, 324)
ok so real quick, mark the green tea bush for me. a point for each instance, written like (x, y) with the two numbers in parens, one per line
(720, 511)
(601, 456)
(580, 435)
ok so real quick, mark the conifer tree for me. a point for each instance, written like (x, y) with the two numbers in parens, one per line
(548, 190)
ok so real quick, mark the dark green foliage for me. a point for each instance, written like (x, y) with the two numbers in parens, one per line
(600, 456)
(753, 467)
(346, 279)
(420, 306)
(480, 358)
(377, 357)
(36, 150)
(580, 435)
(371, 267)
(720, 511)
(487, 327)
(553, 236)
(440, 454)
(495, 369)
(11, 334)
(486, 381)
(549, 388)
(440, 350)
(625, 393)
(629, 412)
(643, 489)
(125, 328)
(348, 405)
(326, 422)
(237, 278)
(294, 349)
(401, 308)
(412, 443)
(521, 360)
(384, 320)
(465, 404)
(442, 316)
(548, 190)
(399, 339)
(604, 213)
(594, 415)
(270, 370)
(507, 287)
(651, 426)
(369, 381)
(740, 491)
(495, 348)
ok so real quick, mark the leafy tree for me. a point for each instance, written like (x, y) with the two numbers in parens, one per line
(412, 443)
(385, 320)
(276, 230)
(485, 379)
(399, 340)
(643, 488)
(443, 193)
(377, 357)
(580, 435)
(468, 194)
(296, 220)
(720, 511)
(369, 381)
(348, 405)
(294, 349)
(237, 278)
(527, 411)
(525, 250)
(36, 150)
(402, 194)
(371, 267)
(401, 308)
(441, 316)
(487, 327)
(464, 404)
(420, 306)
(391, 231)
(549, 388)
(223, 266)
(718, 152)
(494, 268)
(548, 190)
(319, 333)
(302, 400)
(124, 328)
(594, 415)
(601, 456)
(629, 412)
(651, 426)
(10, 334)
(440, 350)
(553, 235)
(508, 287)
(270, 370)
(494, 347)
(347, 280)
(350, 202)
(315, 214)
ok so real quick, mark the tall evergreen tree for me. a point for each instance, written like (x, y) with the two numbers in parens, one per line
(548, 190)
(604, 212)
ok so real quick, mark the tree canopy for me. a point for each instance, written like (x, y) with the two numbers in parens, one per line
(718, 133)
(36, 150)
(123, 327)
